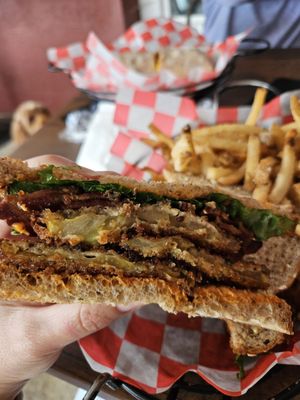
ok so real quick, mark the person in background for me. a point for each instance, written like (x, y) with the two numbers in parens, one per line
(33, 335)
(277, 21)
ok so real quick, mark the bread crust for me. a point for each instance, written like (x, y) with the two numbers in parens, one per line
(88, 289)
(243, 306)
(258, 309)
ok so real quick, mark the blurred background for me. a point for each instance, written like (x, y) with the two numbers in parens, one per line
(28, 28)
(38, 25)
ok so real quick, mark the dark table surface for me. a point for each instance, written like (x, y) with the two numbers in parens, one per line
(268, 67)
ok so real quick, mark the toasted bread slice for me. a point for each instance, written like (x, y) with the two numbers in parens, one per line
(246, 307)
(58, 277)
(252, 340)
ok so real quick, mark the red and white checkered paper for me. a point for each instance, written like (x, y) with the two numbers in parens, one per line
(150, 348)
(136, 109)
(95, 66)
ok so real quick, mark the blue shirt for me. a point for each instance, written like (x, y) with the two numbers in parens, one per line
(278, 21)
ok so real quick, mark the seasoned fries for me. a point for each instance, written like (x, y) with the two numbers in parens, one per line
(234, 178)
(285, 175)
(253, 156)
(161, 136)
(183, 152)
(264, 162)
(262, 179)
(215, 173)
(236, 146)
(295, 194)
(259, 101)
(295, 109)
(226, 130)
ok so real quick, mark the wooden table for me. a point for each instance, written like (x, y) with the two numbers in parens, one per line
(71, 366)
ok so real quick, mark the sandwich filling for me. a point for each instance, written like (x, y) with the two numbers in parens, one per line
(109, 228)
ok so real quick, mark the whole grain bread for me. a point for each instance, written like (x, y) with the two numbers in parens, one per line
(54, 286)
(243, 306)
(88, 289)
(251, 340)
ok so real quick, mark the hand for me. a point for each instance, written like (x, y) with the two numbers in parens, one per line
(33, 335)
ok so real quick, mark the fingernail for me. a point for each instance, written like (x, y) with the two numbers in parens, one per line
(128, 307)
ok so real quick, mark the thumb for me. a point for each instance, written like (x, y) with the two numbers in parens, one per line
(62, 324)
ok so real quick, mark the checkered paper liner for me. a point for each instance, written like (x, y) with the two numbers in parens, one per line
(150, 348)
(95, 66)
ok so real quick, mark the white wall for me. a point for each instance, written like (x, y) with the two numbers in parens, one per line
(161, 8)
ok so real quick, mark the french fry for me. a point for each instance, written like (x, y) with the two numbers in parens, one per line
(166, 153)
(297, 229)
(294, 194)
(253, 156)
(266, 138)
(295, 109)
(262, 179)
(183, 152)
(259, 100)
(216, 143)
(163, 138)
(234, 178)
(297, 169)
(152, 143)
(207, 160)
(286, 172)
(215, 173)
(228, 160)
(260, 193)
(230, 137)
(278, 135)
(226, 130)
(289, 126)
(158, 145)
(264, 170)
(195, 166)
(157, 61)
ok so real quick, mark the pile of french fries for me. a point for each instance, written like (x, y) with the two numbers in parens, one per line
(266, 163)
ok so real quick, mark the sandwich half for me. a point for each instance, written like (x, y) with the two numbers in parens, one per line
(106, 238)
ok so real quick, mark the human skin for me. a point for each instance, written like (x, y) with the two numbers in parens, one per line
(32, 335)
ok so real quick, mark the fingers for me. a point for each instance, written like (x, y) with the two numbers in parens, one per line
(62, 324)
(4, 229)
